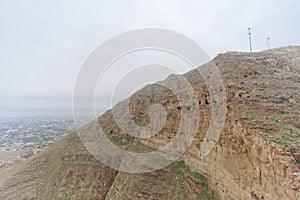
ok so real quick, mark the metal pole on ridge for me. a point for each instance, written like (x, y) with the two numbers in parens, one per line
(268, 42)
(250, 40)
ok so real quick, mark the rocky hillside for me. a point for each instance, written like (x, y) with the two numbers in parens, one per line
(256, 157)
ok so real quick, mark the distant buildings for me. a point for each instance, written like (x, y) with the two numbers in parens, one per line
(30, 134)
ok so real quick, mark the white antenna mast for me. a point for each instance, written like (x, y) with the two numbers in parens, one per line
(250, 40)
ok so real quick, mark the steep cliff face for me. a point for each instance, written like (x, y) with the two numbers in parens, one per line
(258, 151)
(256, 157)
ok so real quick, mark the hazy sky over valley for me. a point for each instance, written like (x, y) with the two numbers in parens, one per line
(44, 43)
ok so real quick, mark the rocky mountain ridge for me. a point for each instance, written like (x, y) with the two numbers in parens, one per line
(256, 157)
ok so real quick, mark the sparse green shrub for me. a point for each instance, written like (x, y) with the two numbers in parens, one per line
(141, 119)
(198, 176)
(285, 114)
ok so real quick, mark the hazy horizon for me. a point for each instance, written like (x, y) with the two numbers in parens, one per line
(43, 44)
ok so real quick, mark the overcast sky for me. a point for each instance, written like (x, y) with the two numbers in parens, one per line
(44, 43)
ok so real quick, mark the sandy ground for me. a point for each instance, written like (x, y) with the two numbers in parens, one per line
(8, 159)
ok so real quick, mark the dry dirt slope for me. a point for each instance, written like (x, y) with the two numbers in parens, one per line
(67, 171)
(257, 156)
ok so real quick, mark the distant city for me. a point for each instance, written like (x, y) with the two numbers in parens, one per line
(32, 133)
